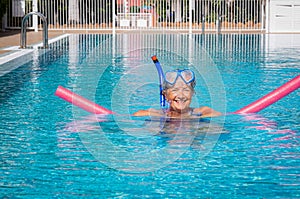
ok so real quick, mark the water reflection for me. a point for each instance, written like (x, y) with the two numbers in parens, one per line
(151, 145)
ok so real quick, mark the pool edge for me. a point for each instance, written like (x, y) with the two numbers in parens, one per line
(10, 60)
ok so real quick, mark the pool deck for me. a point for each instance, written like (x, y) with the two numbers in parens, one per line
(12, 38)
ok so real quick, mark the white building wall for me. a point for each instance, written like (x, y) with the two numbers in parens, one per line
(284, 16)
(73, 12)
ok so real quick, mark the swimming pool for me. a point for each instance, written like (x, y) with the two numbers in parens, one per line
(50, 148)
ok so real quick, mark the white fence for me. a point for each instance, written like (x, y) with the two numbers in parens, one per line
(188, 15)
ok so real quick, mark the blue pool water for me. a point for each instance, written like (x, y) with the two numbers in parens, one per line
(51, 149)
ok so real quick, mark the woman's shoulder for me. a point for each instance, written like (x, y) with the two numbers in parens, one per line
(201, 109)
(206, 111)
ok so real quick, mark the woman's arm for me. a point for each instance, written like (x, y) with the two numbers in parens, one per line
(149, 112)
(141, 113)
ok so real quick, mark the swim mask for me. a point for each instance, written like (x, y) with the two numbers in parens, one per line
(186, 75)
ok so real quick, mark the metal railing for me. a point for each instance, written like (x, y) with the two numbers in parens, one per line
(23, 29)
(188, 15)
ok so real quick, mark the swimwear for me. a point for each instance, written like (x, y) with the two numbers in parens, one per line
(195, 114)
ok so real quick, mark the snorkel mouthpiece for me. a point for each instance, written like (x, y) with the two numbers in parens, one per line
(154, 59)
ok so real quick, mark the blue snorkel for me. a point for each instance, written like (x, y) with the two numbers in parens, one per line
(161, 80)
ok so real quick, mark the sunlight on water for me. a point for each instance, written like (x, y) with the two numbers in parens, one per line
(50, 148)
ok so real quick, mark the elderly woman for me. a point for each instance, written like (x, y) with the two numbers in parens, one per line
(178, 89)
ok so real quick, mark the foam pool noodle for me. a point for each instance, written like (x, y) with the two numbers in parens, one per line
(254, 107)
(81, 102)
(271, 97)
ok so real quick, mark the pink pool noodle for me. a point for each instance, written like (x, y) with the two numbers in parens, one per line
(81, 102)
(272, 97)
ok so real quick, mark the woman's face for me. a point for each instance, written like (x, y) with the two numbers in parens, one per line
(179, 96)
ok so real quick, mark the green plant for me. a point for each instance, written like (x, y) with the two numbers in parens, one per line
(3, 7)
(134, 9)
(212, 17)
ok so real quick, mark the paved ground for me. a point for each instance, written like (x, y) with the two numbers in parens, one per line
(12, 38)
